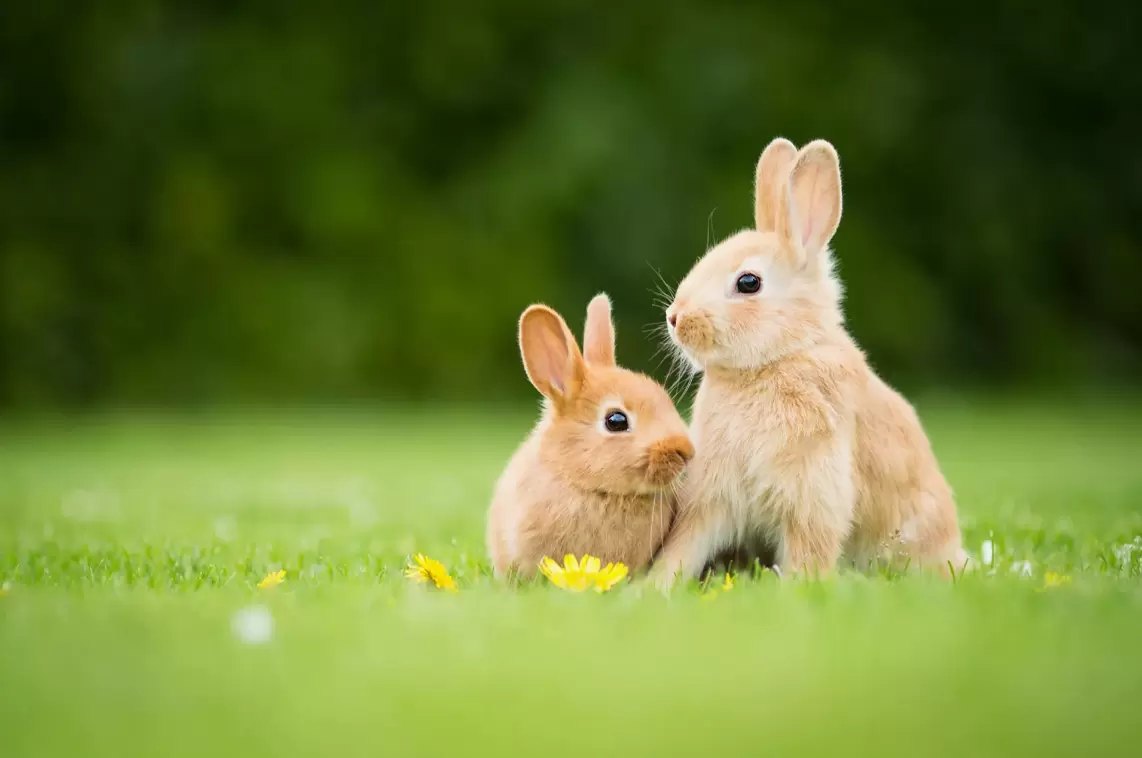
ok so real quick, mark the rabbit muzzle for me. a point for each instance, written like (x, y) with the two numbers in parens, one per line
(667, 458)
(692, 330)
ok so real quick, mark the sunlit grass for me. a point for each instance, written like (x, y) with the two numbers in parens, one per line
(132, 549)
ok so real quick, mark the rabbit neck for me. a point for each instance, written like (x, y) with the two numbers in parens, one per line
(832, 345)
(586, 498)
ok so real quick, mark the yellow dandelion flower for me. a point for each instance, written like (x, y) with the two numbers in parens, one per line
(609, 576)
(1055, 580)
(580, 574)
(423, 569)
(728, 584)
(272, 579)
(554, 572)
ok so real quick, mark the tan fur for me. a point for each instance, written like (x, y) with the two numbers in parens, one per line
(773, 166)
(573, 487)
(799, 443)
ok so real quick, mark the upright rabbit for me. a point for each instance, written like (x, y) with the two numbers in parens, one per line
(596, 474)
(801, 446)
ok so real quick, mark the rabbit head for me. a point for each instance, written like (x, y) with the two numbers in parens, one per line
(768, 291)
(604, 428)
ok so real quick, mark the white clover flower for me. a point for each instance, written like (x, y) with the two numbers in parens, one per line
(1022, 568)
(1124, 553)
(986, 552)
(253, 625)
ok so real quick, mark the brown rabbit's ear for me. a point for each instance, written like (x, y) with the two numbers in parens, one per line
(599, 334)
(551, 357)
(812, 199)
(772, 171)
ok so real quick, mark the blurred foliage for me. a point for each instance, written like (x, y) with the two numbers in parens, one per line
(280, 201)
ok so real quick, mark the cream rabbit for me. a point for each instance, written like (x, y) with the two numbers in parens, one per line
(800, 445)
(596, 474)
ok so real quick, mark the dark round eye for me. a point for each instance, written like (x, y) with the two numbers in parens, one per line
(616, 421)
(749, 284)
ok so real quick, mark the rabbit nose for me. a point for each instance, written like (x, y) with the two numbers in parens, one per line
(678, 447)
(668, 459)
(672, 319)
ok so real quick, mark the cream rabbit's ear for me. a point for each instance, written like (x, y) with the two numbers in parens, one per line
(551, 356)
(812, 199)
(599, 334)
(772, 171)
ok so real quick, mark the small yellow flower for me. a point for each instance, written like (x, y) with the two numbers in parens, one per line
(423, 569)
(272, 579)
(609, 576)
(578, 575)
(725, 586)
(1055, 580)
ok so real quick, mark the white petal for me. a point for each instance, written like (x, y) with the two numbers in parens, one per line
(253, 625)
(986, 552)
(1022, 568)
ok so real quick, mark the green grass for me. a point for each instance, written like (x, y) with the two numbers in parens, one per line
(128, 543)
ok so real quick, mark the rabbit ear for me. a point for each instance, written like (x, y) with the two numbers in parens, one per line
(599, 334)
(772, 171)
(551, 357)
(812, 198)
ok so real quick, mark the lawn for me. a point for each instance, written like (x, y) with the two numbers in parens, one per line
(131, 546)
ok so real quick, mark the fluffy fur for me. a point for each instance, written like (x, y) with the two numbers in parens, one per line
(801, 447)
(573, 486)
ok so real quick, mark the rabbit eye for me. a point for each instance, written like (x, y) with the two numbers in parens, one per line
(616, 422)
(749, 284)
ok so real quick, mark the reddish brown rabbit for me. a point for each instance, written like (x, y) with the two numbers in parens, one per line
(597, 474)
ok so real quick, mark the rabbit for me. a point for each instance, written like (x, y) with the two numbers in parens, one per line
(801, 447)
(597, 473)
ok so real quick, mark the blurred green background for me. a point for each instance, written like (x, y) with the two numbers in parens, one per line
(298, 202)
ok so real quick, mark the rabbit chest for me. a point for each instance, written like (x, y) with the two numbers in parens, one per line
(617, 528)
(762, 439)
